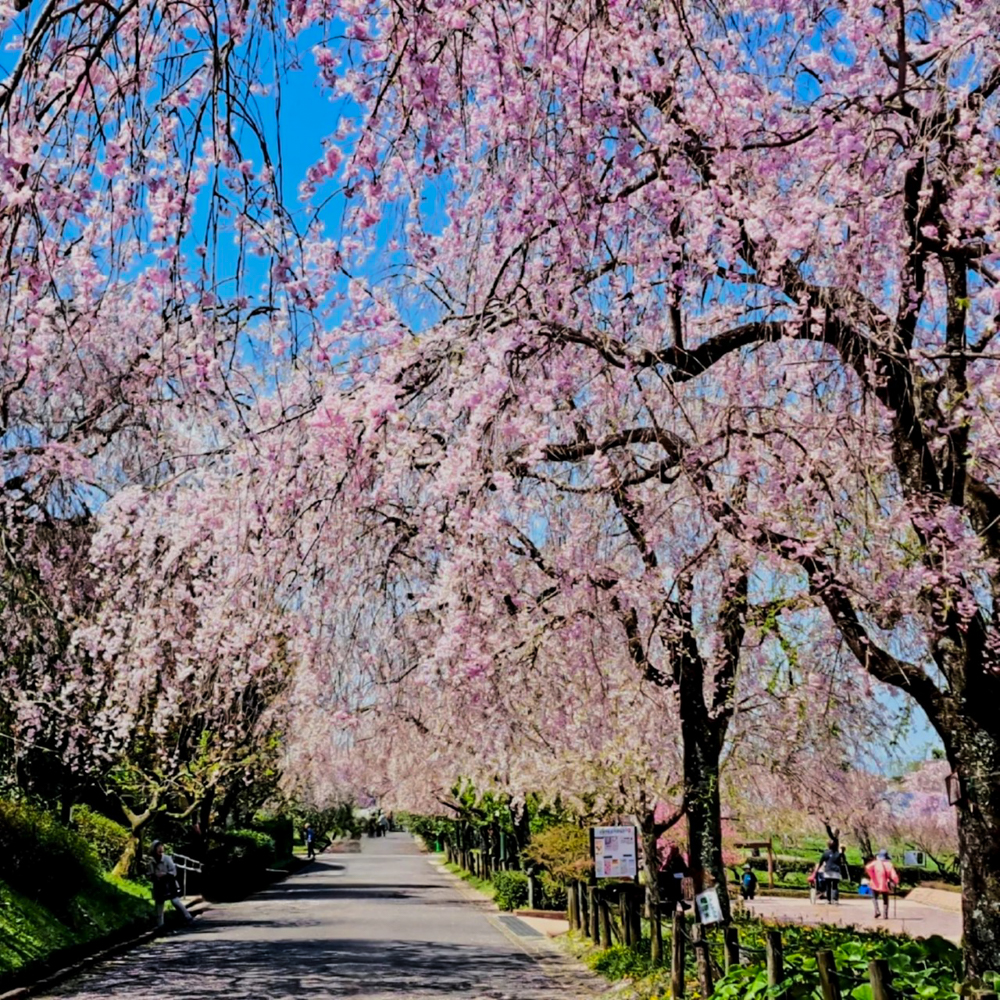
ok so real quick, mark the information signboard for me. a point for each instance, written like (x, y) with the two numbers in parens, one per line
(708, 907)
(614, 852)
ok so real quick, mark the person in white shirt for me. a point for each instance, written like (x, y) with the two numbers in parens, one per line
(165, 885)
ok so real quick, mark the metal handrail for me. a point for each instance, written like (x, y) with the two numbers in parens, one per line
(185, 864)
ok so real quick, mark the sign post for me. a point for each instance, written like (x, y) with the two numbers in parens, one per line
(708, 907)
(615, 852)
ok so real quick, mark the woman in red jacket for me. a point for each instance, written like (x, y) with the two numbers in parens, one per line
(883, 879)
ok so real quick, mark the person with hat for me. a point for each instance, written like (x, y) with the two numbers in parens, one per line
(165, 886)
(748, 883)
(882, 879)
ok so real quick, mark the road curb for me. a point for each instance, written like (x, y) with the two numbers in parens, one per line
(560, 968)
(197, 906)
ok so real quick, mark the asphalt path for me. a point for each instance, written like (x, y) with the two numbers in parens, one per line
(385, 924)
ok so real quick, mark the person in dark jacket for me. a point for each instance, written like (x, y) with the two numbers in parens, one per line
(673, 870)
(831, 868)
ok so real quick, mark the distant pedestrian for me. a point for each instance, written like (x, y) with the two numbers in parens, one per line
(748, 883)
(831, 868)
(310, 838)
(882, 879)
(165, 885)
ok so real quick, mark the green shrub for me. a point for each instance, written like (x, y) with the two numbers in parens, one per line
(563, 851)
(432, 830)
(42, 859)
(928, 969)
(622, 962)
(511, 890)
(236, 863)
(281, 830)
(107, 838)
(785, 869)
(553, 892)
(249, 847)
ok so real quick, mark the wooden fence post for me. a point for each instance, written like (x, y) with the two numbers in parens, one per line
(677, 957)
(571, 913)
(828, 980)
(775, 958)
(636, 894)
(625, 916)
(581, 907)
(592, 905)
(699, 939)
(878, 973)
(732, 939)
(605, 907)
(655, 933)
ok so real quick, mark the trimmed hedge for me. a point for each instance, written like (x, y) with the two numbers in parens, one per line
(107, 838)
(281, 830)
(511, 889)
(41, 859)
(237, 861)
(909, 874)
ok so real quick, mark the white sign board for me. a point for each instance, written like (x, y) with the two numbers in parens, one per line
(915, 858)
(708, 907)
(614, 852)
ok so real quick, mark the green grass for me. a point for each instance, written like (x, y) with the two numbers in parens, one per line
(30, 932)
(486, 888)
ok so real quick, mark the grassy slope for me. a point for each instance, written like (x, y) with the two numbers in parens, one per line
(30, 932)
(486, 888)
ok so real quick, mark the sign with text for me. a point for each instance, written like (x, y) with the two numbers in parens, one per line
(708, 907)
(614, 852)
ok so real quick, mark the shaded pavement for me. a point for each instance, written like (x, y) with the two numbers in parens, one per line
(382, 924)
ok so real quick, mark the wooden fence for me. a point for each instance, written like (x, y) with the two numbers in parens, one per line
(612, 915)
(593, 912)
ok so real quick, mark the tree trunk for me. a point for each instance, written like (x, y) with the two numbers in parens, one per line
(125, 866)
(651, 862)
(702, 751)
(977, 761)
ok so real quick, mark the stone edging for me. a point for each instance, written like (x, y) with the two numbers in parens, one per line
(197, 906)
(561, 969)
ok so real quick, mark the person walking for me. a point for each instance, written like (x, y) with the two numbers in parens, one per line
(165, 885)
(831, 868)
(883, 879)
(748, 883)
(310, 837)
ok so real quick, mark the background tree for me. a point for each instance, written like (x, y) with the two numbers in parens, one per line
(740, 259)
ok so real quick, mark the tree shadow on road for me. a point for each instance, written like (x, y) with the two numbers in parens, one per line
(202, 966)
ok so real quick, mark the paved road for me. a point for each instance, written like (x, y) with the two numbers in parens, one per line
(383, 924)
